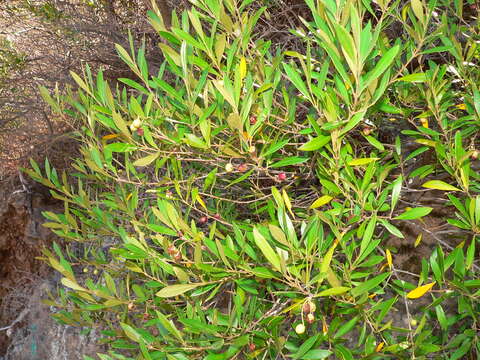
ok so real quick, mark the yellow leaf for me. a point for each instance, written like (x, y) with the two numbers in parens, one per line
(426, 142)
(389, 258)
(424, 122)
(379, 347)
(322, 200)
(418, 240)
(288, 204)
(361, 161)
(439, 185)
(243, 68)
(200, 200)
(420, 291)
(110, 136)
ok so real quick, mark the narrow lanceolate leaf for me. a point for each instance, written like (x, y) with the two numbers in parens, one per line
(415, 213)
(380, 67)
(322, 200)
(361, 161)
(440, 185)
(266, 249)
(420, 291)
(368, 285)
(333, 291)
(315, 144)
(177, 289)
(388, 255)
(146, 160)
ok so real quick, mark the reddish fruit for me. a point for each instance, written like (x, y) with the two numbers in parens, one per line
(242, 167)
(282, 176)
(217, 217)
(475, 154)
(172, 250)
(367, 130)
(140, 132)
(306, 307)
(252, 347)
(178, 256)
(253, 120)
(203, 220)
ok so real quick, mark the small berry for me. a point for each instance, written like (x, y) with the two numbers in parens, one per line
(300, 329)
(95, 272)
(367, 130)
(178, 256)
(172, 250)
(203, 220)
(217, 216)
(252, 347)
(130, 306)
(252, 149)
(140, 132)
(282, 176)
(313, 307)
(242, 167)
(229, 167)
(137, 123)
(253, 120)
(85, 270)
(413, 322)
(310, 318)
(306, 307)
(475, 154)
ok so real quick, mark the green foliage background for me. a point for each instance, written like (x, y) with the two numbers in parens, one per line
(239, 191)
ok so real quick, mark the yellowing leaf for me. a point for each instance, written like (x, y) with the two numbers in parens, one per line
(73, 285)
(420, 291)
(243, 68)
(418, 240)
(426, 142)
(146, 160)
(322, 200)
(177, 289)
(266, 249)
(201, 202)
(110, 136)
(417, 8)
(288, 204)
(379, 347)
(361, 161)
(440, 185)
(389, 258)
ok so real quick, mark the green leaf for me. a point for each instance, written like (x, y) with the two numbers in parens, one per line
(177, 289)
(289, 161)
(266, 249)
(146, 160)
(380, 67)
(195, 141)
(333, 291)
(315, 144)
(440, 185)
(295, 78)
(416, 77)
(316, 354)
(415, 213)
(307, 345)
(368, 285)
(131, 333)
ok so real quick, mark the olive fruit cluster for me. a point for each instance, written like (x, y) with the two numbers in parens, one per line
(308, 310)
